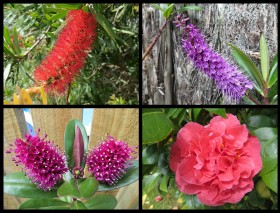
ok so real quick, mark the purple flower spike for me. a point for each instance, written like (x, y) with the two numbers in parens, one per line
(228, 79)
(43, 163)
(110, 160)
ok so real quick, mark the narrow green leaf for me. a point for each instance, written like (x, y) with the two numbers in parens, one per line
(101, 202)
(8, 50)
(170, 111)
(78, 205)
(42, 202)
(273, 90)
(69, 188)
(69, 6)
(156, 127)
(196, 112)
(150, 155)
(18, 185)
(88, 187)
(248, 100)
(69, 137)
(129, 177)
(7, 71)
(168, 11)
(58, 16)
(157, 7)
(188, 8)
(248, 66)
(150, 181)
(8, 39)
(274, 100)
(273, 72)
(164, 183)
(217, 111)
(264, 57)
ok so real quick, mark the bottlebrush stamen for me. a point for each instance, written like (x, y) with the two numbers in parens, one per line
(227, 77)
(68, 55)
(42, 162)
(109, 161)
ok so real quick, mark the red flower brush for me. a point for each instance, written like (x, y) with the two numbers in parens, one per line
(68, 55)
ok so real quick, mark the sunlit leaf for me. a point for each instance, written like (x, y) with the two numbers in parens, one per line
(273, 73)
(264, 57)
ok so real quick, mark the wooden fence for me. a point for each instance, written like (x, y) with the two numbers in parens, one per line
(120, 123)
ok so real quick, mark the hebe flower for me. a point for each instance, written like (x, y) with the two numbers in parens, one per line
(42, 162)
(228, 79)
(109, 161)
(217, 162)
(68, 55)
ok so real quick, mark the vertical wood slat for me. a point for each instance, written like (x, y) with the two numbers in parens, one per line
(53, 122)
(122, 124)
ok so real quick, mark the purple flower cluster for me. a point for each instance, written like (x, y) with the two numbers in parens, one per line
(42, 162)
(110, 160)
(228, 79)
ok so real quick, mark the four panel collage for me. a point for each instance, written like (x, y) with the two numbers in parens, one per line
(140, 106)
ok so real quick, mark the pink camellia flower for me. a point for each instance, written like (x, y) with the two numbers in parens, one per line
(42, 162)
(109, 161)
(217, 162)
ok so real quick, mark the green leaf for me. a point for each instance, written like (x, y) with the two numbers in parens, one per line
(196, 112)
(150, 155)
(274, 100)
(18, 185)
(170, 111)
(156, 126)
(7, 71)
(69, 6)
(129, 177)
(217, 111)
(43, 202)
(150, 181)
(69, 137)
(188, 8)
(273, 72)
(88, 187)
(271, 179)
(58, 16)
(248, 100)
(8, 39)
(102, 202)
(191, 202)
(16, 42)
(258, 121)
(269, 152)
(168, 11)
(69, 188)
(248, 65)
(163, 163)
(78, 205)
(264, 57)
(157, 7)
(273, 90)
(164, 183)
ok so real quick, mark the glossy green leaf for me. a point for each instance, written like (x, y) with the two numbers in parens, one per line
(69, 6)
(156, 126)
(248, 65)
(258, 121)
(69, 188)
(150, 155)
(273, 90)
(88, 187)
(271, 179)
(188, 8)
(164, 183)
(78, 205)
(101, 202)
(274, 100)
(7, 71)
(264, 57)
(157, 7)
(18, 185)
(196, 112)
(168, 11)
(43, 202)
(163, 163)
(273, 72)
(268, 137)
(16, 41)
(150, 181)
(69, 137)
(129, 177)
(217, 111)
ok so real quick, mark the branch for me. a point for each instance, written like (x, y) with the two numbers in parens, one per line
(155, 40)
(253, 99)
(36, 43)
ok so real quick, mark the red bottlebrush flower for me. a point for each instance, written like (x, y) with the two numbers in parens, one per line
(42, 162)
(68, 55)
(109, 161)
